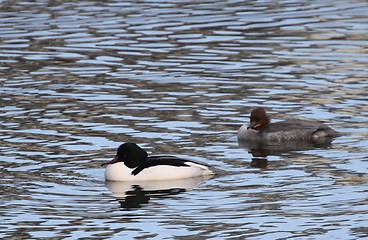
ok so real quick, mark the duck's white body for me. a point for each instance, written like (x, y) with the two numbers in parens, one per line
(120, 172)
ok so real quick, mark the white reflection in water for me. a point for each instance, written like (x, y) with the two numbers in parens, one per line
(134, 195)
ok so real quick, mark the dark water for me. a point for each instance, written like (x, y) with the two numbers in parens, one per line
(77, 78)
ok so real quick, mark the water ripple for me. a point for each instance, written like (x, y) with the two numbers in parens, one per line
(180, 77)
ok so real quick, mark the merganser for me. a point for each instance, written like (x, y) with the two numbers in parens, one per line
(261, 129)
(132, 163)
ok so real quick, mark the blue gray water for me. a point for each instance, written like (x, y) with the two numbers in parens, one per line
(78, 78)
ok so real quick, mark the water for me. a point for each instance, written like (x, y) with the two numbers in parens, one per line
(78, 78)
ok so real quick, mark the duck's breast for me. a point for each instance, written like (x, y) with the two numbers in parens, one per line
(118, 172)
(245, 134)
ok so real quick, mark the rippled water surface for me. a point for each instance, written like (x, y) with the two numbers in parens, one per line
(77, 78)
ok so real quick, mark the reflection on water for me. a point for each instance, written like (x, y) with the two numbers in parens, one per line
(260, 151)
(134, 194)
(78, 78)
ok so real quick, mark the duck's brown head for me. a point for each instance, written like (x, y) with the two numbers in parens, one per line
(259, 119)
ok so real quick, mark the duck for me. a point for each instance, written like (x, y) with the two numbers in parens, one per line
(260, 129)
(132, 163)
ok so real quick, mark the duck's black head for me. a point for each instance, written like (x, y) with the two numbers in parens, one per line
(130, 154)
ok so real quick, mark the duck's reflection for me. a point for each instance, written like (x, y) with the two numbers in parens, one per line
(135, 194)
(260, 151)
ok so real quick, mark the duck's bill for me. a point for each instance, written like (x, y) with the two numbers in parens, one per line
(254, 125)
(115, 160)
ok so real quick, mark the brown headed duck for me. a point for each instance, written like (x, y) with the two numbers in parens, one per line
(261, 129)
